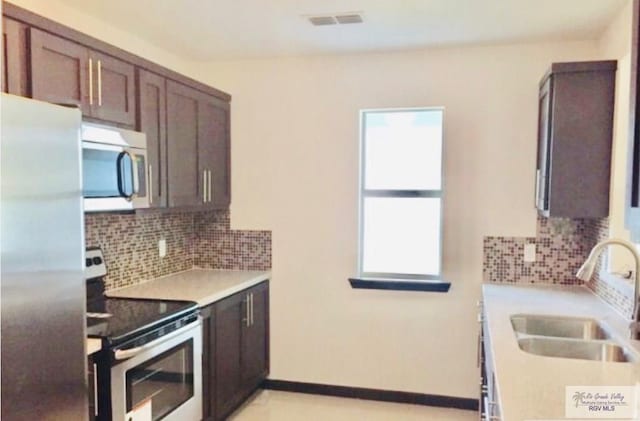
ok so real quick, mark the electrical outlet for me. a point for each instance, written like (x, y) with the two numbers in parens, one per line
(529, 253)
(162, 247)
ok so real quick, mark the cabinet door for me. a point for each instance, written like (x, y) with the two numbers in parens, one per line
(152, 120)
(185, 184)
(213, 151)
(213, 155)
(59, 71)
(255, 347)
(544, 127)
(14, 57)
(229, 316)
(114, 90)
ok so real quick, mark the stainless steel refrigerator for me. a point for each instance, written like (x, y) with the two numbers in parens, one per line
(43, 361)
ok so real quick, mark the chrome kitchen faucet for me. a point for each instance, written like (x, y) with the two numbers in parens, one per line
(586, 272)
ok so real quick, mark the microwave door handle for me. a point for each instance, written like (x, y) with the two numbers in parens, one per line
(120, 171)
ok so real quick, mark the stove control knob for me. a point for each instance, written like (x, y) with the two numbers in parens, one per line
(97, 260)
(88, 262)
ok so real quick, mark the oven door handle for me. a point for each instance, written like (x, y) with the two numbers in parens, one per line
(125, 354)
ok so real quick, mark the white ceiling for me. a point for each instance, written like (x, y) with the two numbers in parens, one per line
(233, 29)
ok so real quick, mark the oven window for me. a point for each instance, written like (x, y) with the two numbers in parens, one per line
(166, 380)
(100, 170)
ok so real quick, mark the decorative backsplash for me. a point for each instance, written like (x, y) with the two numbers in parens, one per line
(200, 239)
(216, 246)
(562, 245)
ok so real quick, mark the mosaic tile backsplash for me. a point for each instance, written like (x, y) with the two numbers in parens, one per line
(194, 239)
(562, 246)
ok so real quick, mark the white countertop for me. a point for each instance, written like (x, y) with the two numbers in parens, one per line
(531, 386)
(203, 286)
(93, 345)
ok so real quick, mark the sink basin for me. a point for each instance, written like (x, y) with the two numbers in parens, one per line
(570, 348)
(558, 326)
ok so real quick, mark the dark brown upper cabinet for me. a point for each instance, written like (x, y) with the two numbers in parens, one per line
(64, 72)
(14, 58)
(186, 122)
(152, 120)
(575, 129)
(185, 180)
(198, 148)
(214, 151)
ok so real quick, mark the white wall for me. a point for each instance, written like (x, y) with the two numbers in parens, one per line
(616, 44)
(295, 171)
(295, 167)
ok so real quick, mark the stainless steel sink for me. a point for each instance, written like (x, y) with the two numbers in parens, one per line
(558, 326)
(578, 349)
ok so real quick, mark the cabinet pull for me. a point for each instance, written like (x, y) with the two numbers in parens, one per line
(248, 311)
(90, 82)
(99, 83)
(150, 183)
(251, 312)
(204, 186)
(95, 390)
(211, 190)
(537, 197)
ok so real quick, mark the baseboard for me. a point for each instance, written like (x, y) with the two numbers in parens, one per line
(372, 394)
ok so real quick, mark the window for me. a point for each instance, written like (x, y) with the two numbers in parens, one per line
(401, 194)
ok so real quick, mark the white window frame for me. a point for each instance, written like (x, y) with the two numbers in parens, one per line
(364, 193)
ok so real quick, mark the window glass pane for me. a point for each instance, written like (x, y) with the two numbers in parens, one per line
(401, 235)
(403, 150)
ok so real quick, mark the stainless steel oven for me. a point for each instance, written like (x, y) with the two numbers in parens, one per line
(150, 364)
(161, 380)
(115, 171)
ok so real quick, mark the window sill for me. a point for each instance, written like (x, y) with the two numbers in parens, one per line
(400, 284)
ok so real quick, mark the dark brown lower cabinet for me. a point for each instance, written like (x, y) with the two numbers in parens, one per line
(236, 350)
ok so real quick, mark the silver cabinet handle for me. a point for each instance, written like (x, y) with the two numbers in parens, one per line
(99, 83)
(210, 186)
(150, 183)
(95, 389)
(248, 319)
(90, 82)
(204, 186)
(537, 195)
(251, 309)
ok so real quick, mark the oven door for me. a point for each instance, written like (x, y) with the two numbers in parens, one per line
(161, 380)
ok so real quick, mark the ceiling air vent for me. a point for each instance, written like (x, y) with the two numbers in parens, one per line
(335, 18)
(350, 18)
(322, 20)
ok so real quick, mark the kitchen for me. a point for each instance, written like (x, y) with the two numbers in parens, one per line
(294, 200)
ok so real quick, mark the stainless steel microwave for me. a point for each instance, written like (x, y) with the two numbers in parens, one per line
(114, 169)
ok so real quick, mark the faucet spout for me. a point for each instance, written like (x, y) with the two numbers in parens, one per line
(586, 272)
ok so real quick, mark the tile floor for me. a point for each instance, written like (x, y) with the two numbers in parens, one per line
(270, 405)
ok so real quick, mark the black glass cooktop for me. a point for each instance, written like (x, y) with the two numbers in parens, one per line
(116, 320)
